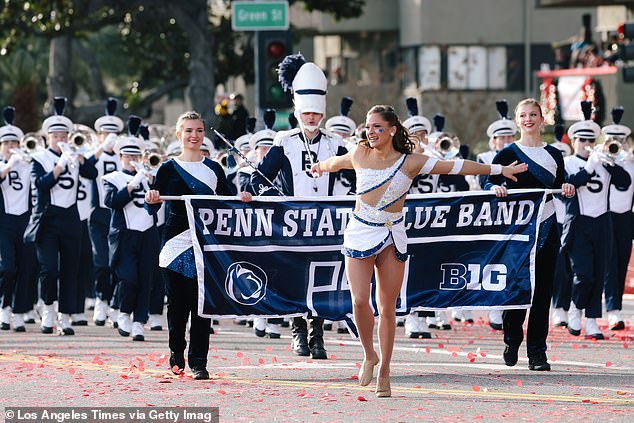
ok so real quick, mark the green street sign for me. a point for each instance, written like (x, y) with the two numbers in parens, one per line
(259, 15)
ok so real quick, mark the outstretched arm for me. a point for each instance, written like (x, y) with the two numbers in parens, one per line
(468, 167)
(333, 164)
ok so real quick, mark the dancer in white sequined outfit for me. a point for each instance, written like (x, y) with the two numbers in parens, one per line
(385, 167)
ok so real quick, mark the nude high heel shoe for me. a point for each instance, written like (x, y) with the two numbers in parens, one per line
(383, 389)
(366, 372)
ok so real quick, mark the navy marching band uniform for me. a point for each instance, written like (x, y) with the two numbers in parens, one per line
(177, 177)
(54, 224)
(18, 275)
(134, 243)
(545, 170)
(106, 161)
(588, 227)
(620, 204)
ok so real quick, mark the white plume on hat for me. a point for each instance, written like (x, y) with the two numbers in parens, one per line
(307, 83)
(10, 132)
(58, 122)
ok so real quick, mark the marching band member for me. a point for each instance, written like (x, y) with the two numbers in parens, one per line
(418, 127)
(261, 142)
(588, 229)
(189, 173)
(157, 285)
(54, 225)
(562, 281)
(106, 161)
(290, 159)
(545, 170)
(344, 127)
(623, 228)
(501, 133)
(375, 242)
(18, 275)
(133, 238)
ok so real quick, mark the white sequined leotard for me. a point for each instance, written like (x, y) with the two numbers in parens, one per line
(372, 225)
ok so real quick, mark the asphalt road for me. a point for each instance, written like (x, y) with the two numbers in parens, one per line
(458, 375)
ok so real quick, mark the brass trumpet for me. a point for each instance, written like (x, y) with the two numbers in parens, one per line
(32, 142)
(83, 138)
(610, 151)
(445, 147)
(152, 159)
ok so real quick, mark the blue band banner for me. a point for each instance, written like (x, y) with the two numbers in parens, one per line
(282, 257)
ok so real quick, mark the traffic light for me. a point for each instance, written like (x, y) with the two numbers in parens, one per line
(273, 47)
(626, 36)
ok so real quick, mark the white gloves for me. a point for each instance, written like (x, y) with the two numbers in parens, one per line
(137, 180)
(593, 163)
(63, 161)
(12, 161)
(108, 143)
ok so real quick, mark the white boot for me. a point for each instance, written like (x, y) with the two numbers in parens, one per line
(592, 329)
(113, 317)
(615, 321)
(560, 317)
(496, 320)
(574, 320)
(423, 329)
(457, 315)
(78, 319)
(259, 326)
(443, 320)
(137, 331)
(412, 329)
(124, 324)
(29, 317)
(273, 330)
(101, 312)
(18, 323)
(90, 303)
(48, 318)
(155, 322)
(432, 322)
(64, 324)
(5, 318)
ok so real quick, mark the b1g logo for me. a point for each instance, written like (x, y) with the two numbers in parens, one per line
(457, 276)
(245, 283)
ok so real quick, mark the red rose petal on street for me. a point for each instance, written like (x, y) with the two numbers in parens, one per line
(260, 360)
(454, 354)
(357, 365)
(427, 350)
(441, 346)
(476, 388)
(333, 357)
(268, 349)
(608, 364)
(239, 354)
(621, 393)
(518, 383)
(221, 391)
(361, 398)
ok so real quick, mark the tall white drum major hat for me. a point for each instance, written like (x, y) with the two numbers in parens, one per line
(109, 122)
(58, 122)
(616, 129)
(503, 126)
(415, 122)
(10, 132)
(342, 123)
(585, 128)
(306, 81)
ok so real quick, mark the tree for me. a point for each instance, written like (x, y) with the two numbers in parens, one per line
(137, 50)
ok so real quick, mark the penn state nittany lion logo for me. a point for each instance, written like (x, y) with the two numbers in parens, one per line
(245, 283)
